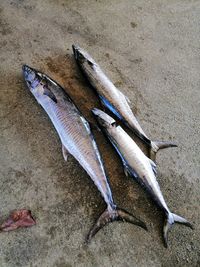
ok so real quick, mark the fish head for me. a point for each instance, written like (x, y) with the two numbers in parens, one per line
(82, 57)
(104, 120)
(36, 81)
(32, 77)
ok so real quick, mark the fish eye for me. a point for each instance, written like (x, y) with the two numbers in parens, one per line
(91, 64)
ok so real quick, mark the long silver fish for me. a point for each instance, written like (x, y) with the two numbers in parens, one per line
(77, 139)
(138, 165)
(113, 99)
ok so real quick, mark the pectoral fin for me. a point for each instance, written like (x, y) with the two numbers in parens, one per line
(153, 165)
(129, 171)
(126, 171)
(49, 93)
(127, 99)
(65, 152)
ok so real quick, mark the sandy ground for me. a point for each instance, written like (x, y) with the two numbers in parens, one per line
(151, 51)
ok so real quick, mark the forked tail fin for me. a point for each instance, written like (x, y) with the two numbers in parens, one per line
(111, 215)
(157, 145)
(170, 220)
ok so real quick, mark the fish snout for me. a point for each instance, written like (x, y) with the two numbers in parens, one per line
(82, 56)
(30, 76)
(103, 118)
(26, 70)
(77, 51)
(25, 67)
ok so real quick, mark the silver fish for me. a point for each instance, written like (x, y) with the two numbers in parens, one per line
(139, 166)
(113, 99)
(77, 139)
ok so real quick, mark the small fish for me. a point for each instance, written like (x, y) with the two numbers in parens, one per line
(113, 99)
(139, 166)
(77, 139)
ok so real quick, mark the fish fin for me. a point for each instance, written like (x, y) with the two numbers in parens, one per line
(154, 169)
(156, 145)
(126, 171)
(170, 220)
(127, 99)
(111, 215)
(153, 166)
(129, 171)
(49, 93)
(65, 152)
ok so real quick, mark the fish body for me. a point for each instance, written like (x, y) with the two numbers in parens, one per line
(76, 138)
(137, 165)
(113, 99)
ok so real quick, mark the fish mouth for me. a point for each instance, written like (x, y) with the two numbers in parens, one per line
(103, 118)
(26, 68)
(81, 55)
(31, 76)
(76, 51)
(75, 48)
(27, 71)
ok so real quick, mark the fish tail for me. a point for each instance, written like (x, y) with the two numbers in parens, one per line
(157, 145)
(111, 215)
(170, 220)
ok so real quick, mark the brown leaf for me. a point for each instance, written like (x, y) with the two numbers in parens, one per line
(17, 219)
